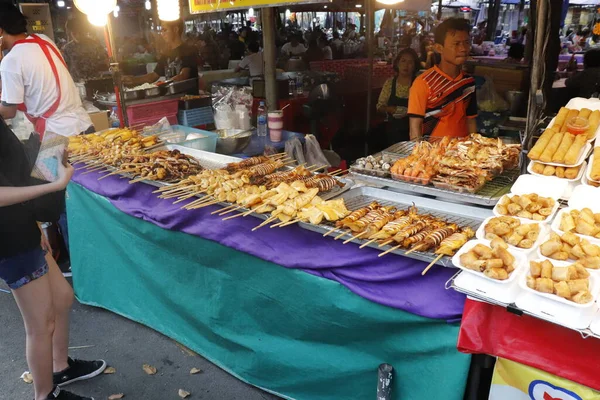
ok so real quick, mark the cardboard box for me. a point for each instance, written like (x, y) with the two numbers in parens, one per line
(100, 120)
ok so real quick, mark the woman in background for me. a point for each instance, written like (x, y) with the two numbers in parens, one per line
(393, 101)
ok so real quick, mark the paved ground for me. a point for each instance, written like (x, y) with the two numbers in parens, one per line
(126, 346)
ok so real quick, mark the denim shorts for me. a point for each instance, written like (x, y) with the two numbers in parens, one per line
(19, 270)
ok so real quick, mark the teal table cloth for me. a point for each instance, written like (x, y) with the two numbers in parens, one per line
(291, 333)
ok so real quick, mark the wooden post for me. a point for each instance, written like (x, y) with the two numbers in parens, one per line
(369, 27)
(439, 13)
(270, 69)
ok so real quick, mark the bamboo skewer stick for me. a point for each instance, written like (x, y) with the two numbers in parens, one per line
(338, 173)
(280, 223)
(222, 209)
(386, 242)
(367, 243)
(210, 203)
(332, 173)
(139, 179)
(100, 170)
(414, 249)
(232, 210)
(267, 221)
(348, 232)
(355, 237)
(183, 198)
(235, 216)
(121, 171)
(431, 264)
(197, 202)
(291, 222)
(329, 232)
(389, 250)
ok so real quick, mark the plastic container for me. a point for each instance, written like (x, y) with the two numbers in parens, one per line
(577, 178)
(195, 117)
(275, 120)
(275, 135)
(208, 141)
(520, 261)
(261, 120)
(585, 151)
(578, 125)
(151, 113)
(543, 235)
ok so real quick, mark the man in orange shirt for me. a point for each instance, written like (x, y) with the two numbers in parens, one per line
(442, 100)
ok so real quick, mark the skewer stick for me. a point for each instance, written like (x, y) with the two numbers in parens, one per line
(210, 203)
(367, 243)
(332, 173)
(348, 232)
(278, 155)
(414, 249)
(386, 242)
(232, 210)
(121, 171)
(233, 216)
(185, 197)
(329, 232)
(355, 236)
(267, 221)
(389, 250)
(431, 264)
(340, 172)
(291, 222)
(222, 209)
(139, 179)
(199, 201)
(280, 223)
(95, 170)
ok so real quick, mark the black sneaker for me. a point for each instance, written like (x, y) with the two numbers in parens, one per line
(58, 394)
(78, 371)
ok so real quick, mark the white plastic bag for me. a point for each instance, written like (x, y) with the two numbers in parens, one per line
(313, 153)
(293, 148)
(488, 98)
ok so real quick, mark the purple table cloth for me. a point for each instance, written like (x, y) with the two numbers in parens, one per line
(391, 280)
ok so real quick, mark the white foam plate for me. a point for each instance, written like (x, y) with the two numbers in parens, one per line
(480, 234)
(578, 103)
(595, 325)
(558, 313)
(556, 225)
(584, 181)
(577, 179)
(593, 288)
(520, 261)
(545, 186)
(586, 196)
(588, 171)
(505, 293)
(527, 220)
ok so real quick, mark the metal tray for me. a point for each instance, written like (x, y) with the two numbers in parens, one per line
(463, 215)
(153, 92)
(182, 86)
(130, 95)
(510, 307)
(487, 196)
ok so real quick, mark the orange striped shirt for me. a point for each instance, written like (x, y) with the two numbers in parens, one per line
(444, 103)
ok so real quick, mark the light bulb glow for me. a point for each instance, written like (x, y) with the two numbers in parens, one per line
(288, 13)
(359, 6)
(60, 3)
(148, 5)
(92, 7)
(390, 2)
(168, 10)
(98, 19)
(251, 12)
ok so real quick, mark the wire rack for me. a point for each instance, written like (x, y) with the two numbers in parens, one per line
(487, 196)
(363, 196)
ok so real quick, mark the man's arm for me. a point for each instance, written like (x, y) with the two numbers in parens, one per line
(416, 127)
(7, 111)
(140, 80)
(417, 107)
(184, 74)
(472, 125)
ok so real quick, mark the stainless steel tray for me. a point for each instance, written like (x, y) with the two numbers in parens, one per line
(182, 86)
(130, 95)
(355, 198)
(153, 92)
(207, 159)
(487, 196)
(450, 284)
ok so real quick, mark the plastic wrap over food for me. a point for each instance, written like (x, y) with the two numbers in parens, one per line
(294, 150)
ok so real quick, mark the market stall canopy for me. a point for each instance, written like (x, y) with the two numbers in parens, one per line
(205, 6)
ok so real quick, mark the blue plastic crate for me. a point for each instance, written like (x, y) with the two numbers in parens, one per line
(197, 116)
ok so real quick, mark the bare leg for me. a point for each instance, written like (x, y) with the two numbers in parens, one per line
(35, 302)
(62, 298)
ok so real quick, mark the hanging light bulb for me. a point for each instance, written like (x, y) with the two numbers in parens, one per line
(116, 11)
(91, 7)
(288, 13)
(168, 10)
(148, 5)
(98, 19)
(251, 12)
(390, 2)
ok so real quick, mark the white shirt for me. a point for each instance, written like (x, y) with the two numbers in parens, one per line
(27, 78)
(327, 53)
(293, 51)
(254, 62)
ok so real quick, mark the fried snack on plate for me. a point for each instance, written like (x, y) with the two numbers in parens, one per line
(575, 150)
(546, 269)
(535, 269)
(572, 172)
(565, 145)
(560, 118)
(552, 147)
(582, 297)
(567, 223)
(594, 121)
(536, 151)
(578, 285)
(538, 168)
(595, 172)
(572, 114)
(559, 172)
(560, 274)
(496, 273)
(562, 289)
(544, 285)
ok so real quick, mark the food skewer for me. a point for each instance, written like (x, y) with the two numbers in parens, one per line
(427, 268)
(222, 209)
(355, 237)
(266, 222)
(329, 232)
(232, 210)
